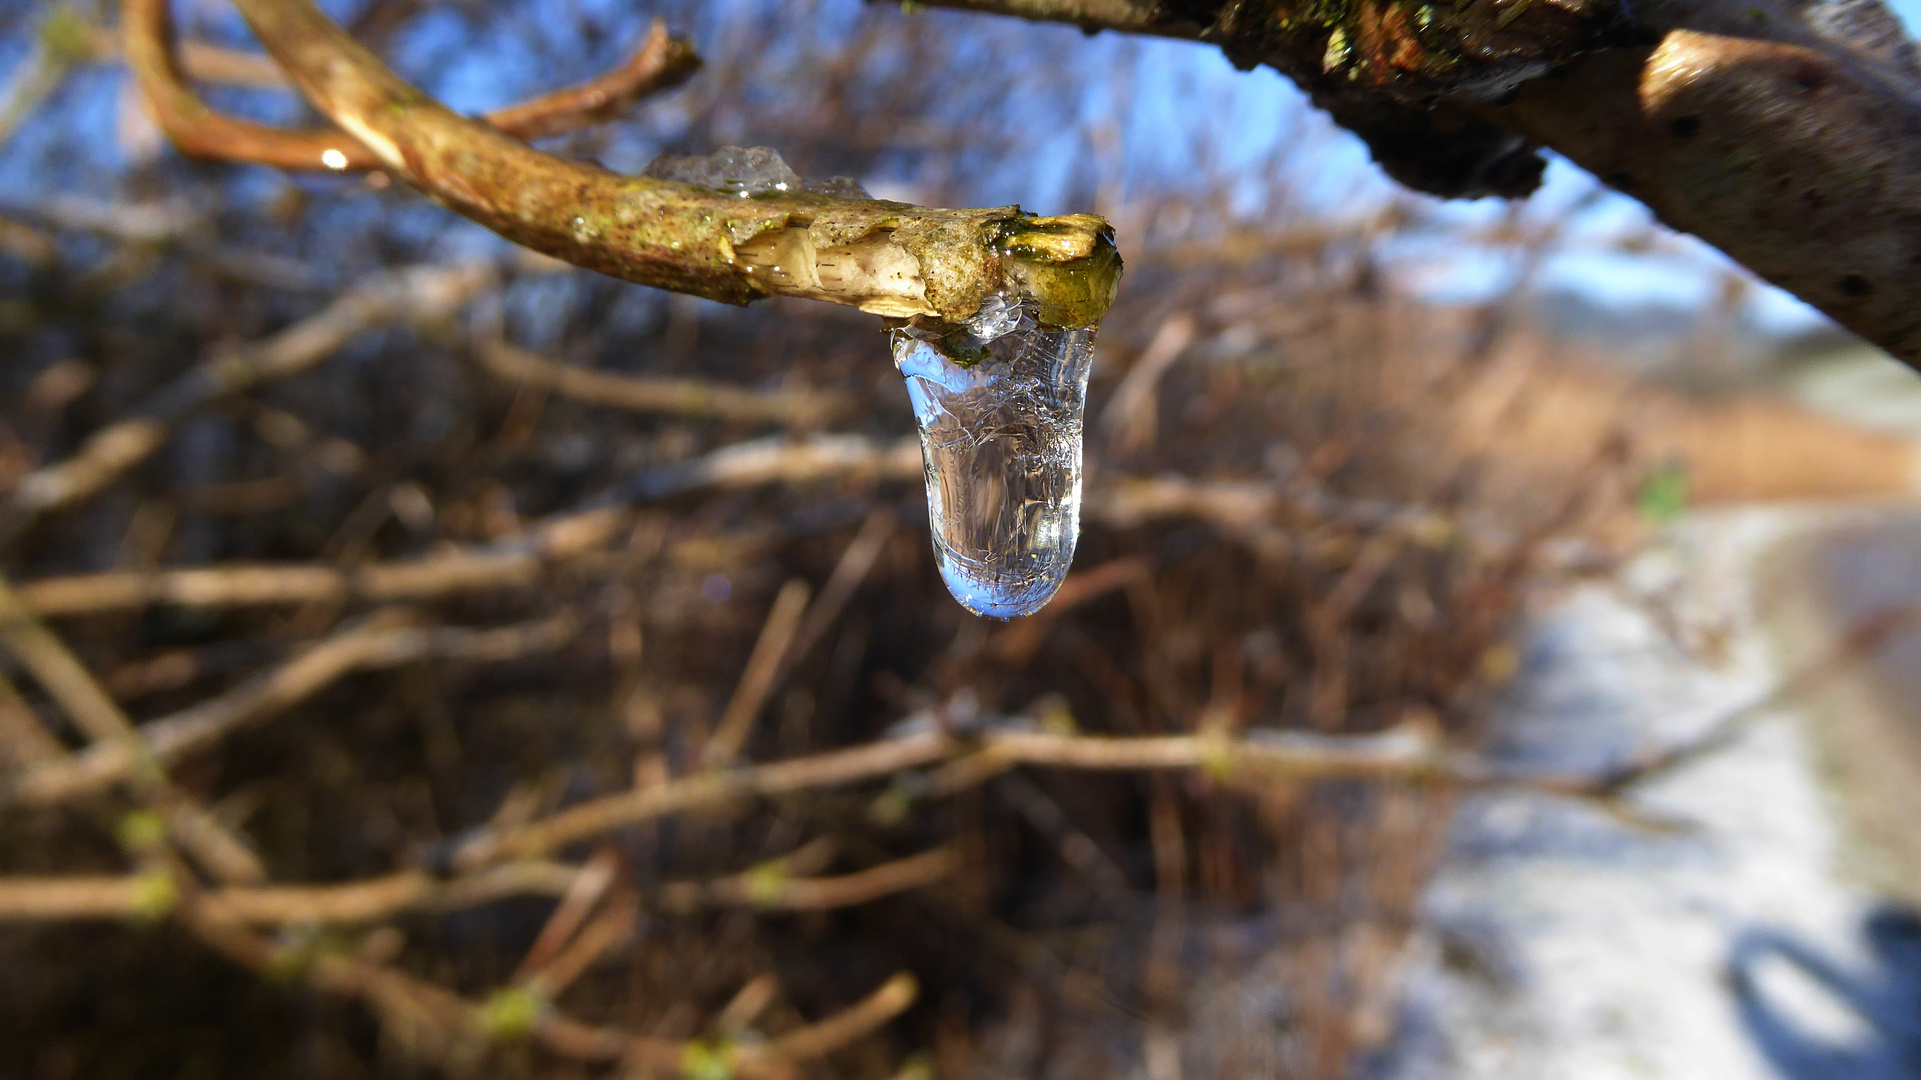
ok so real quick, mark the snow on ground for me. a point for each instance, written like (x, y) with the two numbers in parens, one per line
(1561, 944)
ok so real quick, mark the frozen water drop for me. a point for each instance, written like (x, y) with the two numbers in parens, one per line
(1000, 314)
(1000, 436)
(840, 187)
(747, 170)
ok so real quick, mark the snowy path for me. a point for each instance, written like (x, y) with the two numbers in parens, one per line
(1561, 945)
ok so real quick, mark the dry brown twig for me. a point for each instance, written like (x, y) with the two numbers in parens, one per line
(67, 898)
(455, 1026)
(423, 294)
(596, 877)
(1405, 755)
(204, 62)
(787, 884)
(516, 561)
(661, 62)
(771, 887)
(650, 394)
(81, 697)
(757, 676)
(24, 741)
(375, 642)
(778, 459)
(754, 1061)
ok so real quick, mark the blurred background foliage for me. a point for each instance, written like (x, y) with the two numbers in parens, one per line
(1338, 435)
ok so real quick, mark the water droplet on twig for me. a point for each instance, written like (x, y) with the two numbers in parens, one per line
(998, 402)
(747, 171)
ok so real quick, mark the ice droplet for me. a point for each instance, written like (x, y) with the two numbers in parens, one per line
(998, 402)
(746, 171)
(999, 314)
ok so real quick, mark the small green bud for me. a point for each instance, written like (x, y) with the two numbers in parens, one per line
(140, 831)
(155, 895)
(66, 35)
(892, 806)
(766, 884)
(511, 1013)
(703, 1062)
(1664, 493)
(1217, 760)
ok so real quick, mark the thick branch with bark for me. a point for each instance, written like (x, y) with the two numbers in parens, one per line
(1785, 133)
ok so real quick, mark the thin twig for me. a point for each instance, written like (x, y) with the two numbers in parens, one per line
(1075, 847)
(425, 294)
(612, 928)
(856, 562)
(70, 899)
(515, 561)
(373, 643)
(831, 769)
(660, 62)
(654, 394)
(757, 677)
(771, 888)
(88, 705)
(785, 460)
(58, 43)
(1405, 755)
(764, 1061)
(747, 1004)
(24, 740)
(579, 901)
(777, 885)
(81, 898)
(1130, 419)
(816, 1040)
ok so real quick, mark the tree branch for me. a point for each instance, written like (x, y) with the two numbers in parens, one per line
(422, 293)
(1787, 135)
(660, 63)
(885, 258)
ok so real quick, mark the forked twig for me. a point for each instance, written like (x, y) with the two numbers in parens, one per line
(81, 697)
(771, 888)
(661, 62)
(424, 294)
(1406, 755)
(517, 560)
(653, 394)
(374, 643)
